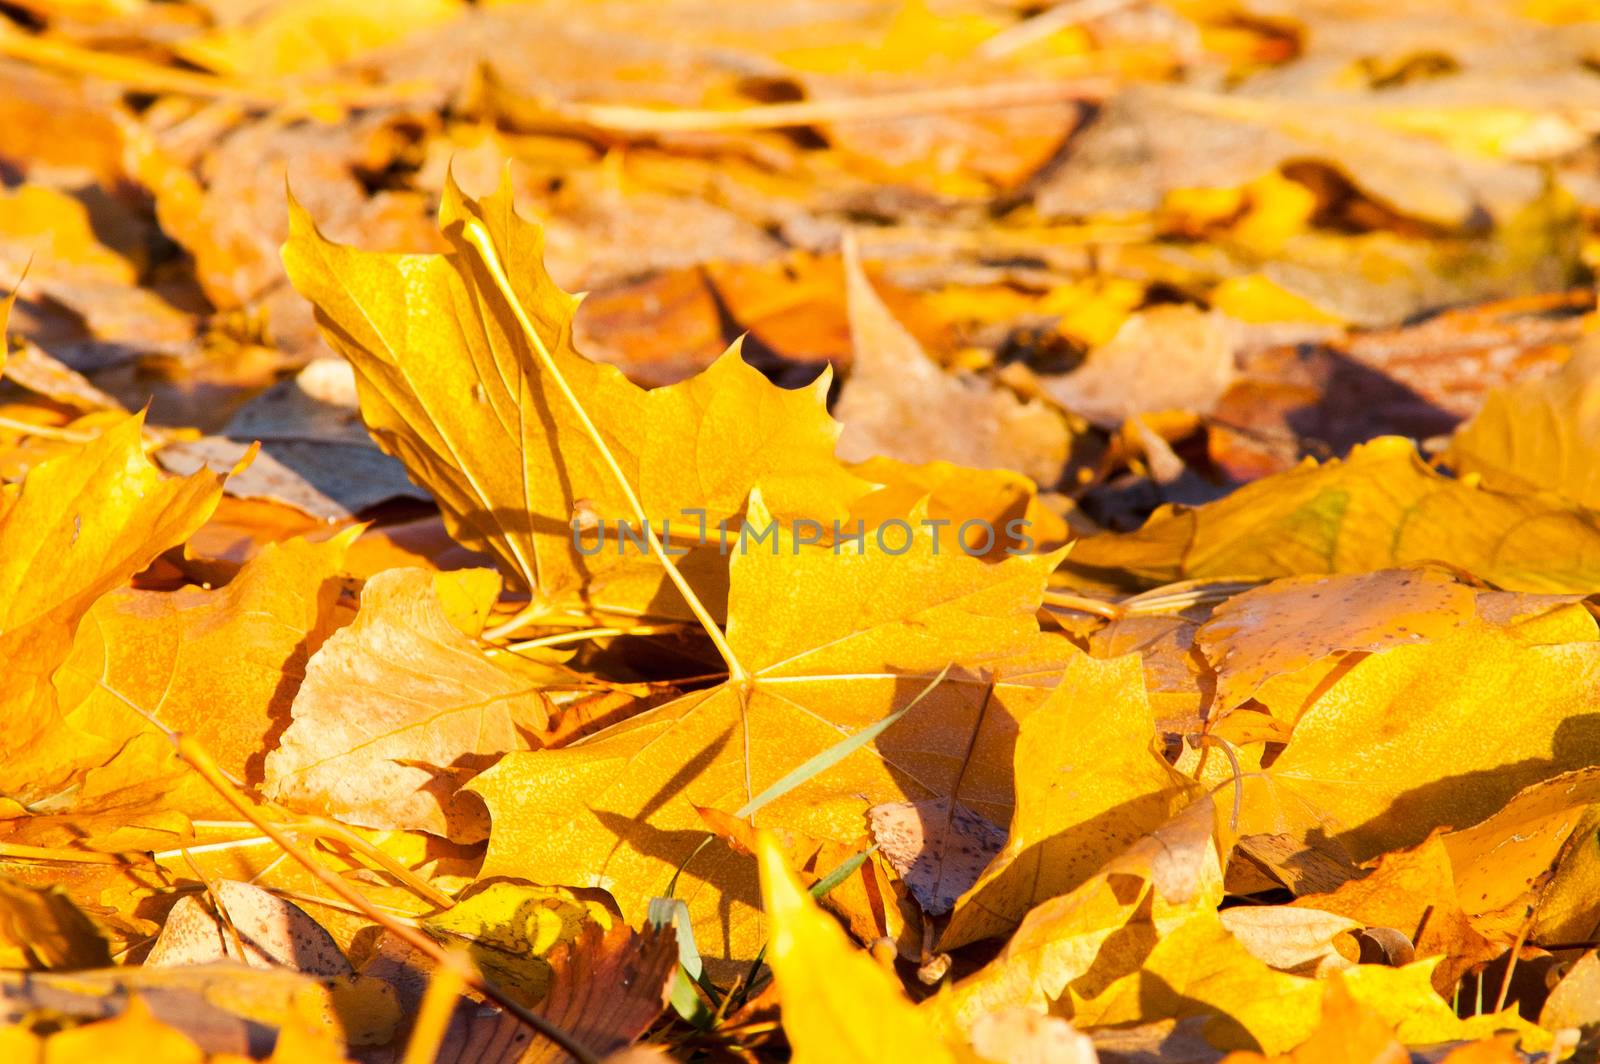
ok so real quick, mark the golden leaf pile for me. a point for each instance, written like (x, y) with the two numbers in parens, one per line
(1058, 532)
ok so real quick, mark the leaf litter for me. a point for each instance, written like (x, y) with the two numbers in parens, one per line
(1058, 531)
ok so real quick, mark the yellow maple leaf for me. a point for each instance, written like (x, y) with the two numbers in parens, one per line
(1379, 507)
(837, 1003)
(500, 421)
(1089, 782)
(80, 525)
(1438, 733)
(1539, 434)
(1085, 940)
(218, 664)
(832, 643)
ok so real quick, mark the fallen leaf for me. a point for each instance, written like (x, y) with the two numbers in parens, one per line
(434, 710)
(938, 847)
(837, 1002)
(1539, 434)
(80, 525)
(511, 467)
(41, 929)
(1294, 622)
(219, 665)
(1379, 508)
(1377, 777)
(1073, 813)
(274, 933)
(618, 809)
(1530, 854)
(606, 990)
(1294, 939)
(511, 929)
(1414, 891)
(899, 403)
(1165, 358)
(1573, 1001)
(1347, 1030)
(1025, 1037)
(221, 1008)
(1099, 931)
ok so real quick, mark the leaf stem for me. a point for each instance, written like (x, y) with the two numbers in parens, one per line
(1511, 961)
(877, 108)
(476, 234)
(1062, 600)
(582, 634)
(46, 432)
(17, 851)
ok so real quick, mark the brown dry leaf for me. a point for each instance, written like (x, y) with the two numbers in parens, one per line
(397, 711)
(1575, 1001)
(898, 402)
(38, 371)
(314, 453)
(274, 933)
(607, 988)
(1165, 358)
(1295, 622)
(1310, 866)
(1419, 380)
(939, 848)
(1297, 940)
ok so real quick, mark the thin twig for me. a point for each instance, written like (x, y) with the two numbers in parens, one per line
(1511, 962)
(996, 95)
(223, 916)
(1052, 20)
(17, 851)
(433, 1017)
